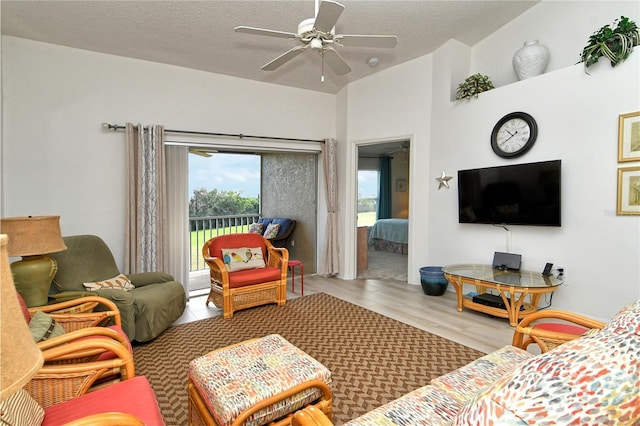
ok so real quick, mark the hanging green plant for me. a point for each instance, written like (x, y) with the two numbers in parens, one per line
(614, 44)
(473, 85)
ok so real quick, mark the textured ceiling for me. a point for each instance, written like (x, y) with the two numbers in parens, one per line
(199, 34)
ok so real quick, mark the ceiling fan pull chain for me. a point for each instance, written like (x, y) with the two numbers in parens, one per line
(322, 76)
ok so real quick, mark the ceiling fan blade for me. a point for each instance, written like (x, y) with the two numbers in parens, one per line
(285, 57)
(335, 61)
(202, 152)
(366, 40)
(328, 14)
(262, 31)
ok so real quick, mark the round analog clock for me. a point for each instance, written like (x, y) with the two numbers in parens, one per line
(514, 135)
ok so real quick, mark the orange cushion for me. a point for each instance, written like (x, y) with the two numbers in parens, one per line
(253, 276)
(134, 396)
(561, 328)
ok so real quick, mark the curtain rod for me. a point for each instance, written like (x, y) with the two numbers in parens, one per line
(115, 127)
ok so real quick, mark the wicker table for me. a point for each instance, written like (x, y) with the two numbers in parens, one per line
(520, 291)
(258, 381)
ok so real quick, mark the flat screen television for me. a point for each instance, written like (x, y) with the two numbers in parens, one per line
(520, 194)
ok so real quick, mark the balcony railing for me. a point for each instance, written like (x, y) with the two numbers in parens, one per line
(203, 229)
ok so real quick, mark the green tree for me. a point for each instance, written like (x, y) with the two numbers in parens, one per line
(205, 203)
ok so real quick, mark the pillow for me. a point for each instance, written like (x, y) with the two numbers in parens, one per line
(21, 410)
(284, 225)
(43, 327)
(272, 231)
(627, 320)
(590, 380)
(118, 282)
(256, 228)
(238, 259)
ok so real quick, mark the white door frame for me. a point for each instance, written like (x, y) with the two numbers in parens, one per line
(351, 213)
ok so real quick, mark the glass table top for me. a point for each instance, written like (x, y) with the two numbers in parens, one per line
(499, 276)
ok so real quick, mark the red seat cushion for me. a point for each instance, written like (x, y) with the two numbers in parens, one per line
(134, 396)
(24, 308)
(561, 328)
(254, 276)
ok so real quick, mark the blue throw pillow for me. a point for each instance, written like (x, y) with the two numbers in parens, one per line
(284, 225)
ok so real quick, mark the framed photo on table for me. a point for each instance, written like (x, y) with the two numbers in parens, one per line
(629, 191)
(629, 137)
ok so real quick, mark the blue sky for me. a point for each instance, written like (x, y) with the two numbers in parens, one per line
(225, 172)
(241, 172)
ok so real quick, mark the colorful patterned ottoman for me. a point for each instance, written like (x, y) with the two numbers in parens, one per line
(255, 382)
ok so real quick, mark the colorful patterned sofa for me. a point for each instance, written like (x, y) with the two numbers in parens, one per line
(594, 379)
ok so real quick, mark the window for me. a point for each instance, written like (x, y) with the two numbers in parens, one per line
(367, 196)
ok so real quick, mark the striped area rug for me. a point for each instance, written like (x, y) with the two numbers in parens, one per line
(373, 359)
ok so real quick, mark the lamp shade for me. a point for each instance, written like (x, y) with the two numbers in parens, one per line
(32, 235)
(20, 357)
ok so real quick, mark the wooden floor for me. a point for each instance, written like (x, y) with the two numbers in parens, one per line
(398, 300)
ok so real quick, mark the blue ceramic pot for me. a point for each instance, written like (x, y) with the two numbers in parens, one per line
(433, 281)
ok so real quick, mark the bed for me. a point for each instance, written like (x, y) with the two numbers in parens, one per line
(390, 235)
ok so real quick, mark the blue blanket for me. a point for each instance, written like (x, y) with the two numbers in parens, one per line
(394, 230)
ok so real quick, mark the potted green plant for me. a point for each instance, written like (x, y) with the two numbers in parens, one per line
(473, 85)
(615, 44)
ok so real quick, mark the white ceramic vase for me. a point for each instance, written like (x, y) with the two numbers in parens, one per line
(531, 59)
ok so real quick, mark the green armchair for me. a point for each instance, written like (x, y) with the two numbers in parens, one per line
(146, 311)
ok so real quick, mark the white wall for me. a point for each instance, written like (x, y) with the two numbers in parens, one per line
(577, 115)
(391, 105)
(598, 249)
(58, 161)
(563, 26)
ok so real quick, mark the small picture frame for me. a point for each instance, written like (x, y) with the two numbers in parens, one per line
(401, 185)
(629, 137)
(629, 191)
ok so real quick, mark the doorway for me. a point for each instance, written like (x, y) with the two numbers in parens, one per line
(383, 208)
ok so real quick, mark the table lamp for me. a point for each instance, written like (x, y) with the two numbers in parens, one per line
(32, 237)
(20, 358)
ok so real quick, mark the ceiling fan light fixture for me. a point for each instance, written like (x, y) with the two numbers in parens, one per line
(316, 43)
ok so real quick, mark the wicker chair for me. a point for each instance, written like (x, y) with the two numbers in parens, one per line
(563, 327)
(81, 323)
(246, 288)
(79, 313)
(74, 364)
(128, 403)
(120, 419)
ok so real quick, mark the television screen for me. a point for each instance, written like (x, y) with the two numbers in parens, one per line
(521, 194)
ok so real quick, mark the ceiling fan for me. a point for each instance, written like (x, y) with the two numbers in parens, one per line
(319, 34)
(399, 147)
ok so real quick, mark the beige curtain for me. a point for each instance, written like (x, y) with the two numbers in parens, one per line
(146, 246)
(331, 266)
(178, 213)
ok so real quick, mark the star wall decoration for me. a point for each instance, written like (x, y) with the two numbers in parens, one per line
(444, 180)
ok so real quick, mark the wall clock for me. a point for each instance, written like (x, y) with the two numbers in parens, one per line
(514, 134)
